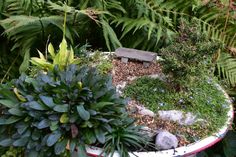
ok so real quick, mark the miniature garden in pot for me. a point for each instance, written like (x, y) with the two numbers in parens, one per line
(176, 98)
(127, 103)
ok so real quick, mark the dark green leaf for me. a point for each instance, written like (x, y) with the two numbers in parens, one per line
(92, 112)
(33, 153)
(61, 108)
(36, 134)
(37, 106)
(100, 135)
(81, 151)
(60, 147)
(44, 140)
(74, 118)
(100, 105)
(54, 126)
(43, 124)
(83, 113)
(27, 133)
(15, 111)
(35, 114)
(47, 101)
(31, 144)
(53, 138)
(6, 142)
(9, 120)
(21, 142)
(73, 143)
(9, 95)
(89, 137)
(21, 127)
(8, 103)
(25, 64)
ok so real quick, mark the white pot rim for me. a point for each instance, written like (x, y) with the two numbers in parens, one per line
(187, 150)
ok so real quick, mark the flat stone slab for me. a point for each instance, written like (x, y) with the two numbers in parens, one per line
(140, 55)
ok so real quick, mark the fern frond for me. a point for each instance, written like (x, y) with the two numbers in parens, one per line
(110, 36)
(226, 66)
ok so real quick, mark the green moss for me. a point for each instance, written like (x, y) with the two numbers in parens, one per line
(202, 99)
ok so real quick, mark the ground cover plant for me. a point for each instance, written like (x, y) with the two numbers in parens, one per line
(202, 99)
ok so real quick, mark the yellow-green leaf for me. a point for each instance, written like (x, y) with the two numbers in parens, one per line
(64, 118)
(80, 85)
(70, 56)
(51, 50)
(41, 56)
(41, 63)
(20, 97)
(76, 61)
(63, 52)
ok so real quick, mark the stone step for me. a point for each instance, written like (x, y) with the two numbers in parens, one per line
(140, 55)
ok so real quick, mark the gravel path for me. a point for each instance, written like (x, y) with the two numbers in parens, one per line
(124, 71)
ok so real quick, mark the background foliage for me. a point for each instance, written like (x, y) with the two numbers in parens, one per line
(108, 24)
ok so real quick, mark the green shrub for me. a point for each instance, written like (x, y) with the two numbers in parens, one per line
(47, 112)
(189, 57)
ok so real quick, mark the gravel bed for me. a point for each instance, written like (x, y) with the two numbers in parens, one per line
(122, 72)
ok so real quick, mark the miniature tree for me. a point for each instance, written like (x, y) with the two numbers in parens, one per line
(189, 57)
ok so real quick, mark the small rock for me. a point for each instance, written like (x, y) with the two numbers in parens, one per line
(159, 58)
(178, 116)
(146, 64)
(146, 112)
(165, 140)
(120, 87)
(124, 60)
(131, 78)
(148, 131)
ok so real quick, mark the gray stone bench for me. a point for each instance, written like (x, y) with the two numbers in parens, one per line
(144, 56)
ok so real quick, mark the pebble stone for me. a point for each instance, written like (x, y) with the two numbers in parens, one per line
(165, 140)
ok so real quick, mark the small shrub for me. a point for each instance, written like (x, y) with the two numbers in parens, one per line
(188, 57)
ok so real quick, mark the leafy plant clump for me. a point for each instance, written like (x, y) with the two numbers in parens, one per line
(203, 99)
(62, 59)
(62, 109)
(189, 58)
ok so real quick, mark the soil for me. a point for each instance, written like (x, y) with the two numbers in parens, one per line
(122, 72)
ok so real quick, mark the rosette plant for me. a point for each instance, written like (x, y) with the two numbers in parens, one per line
(59, 109)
